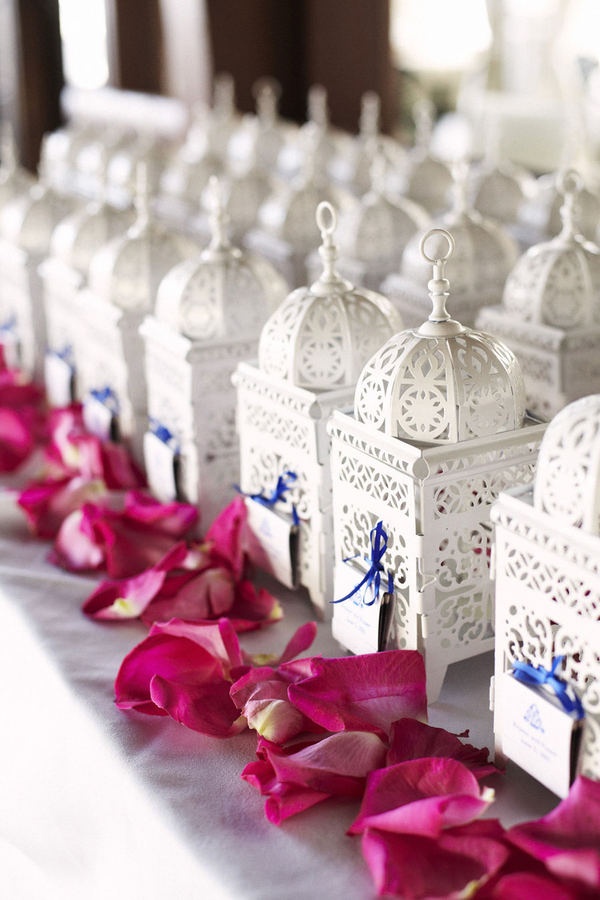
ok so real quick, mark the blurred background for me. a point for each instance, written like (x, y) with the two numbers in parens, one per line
(526, 71)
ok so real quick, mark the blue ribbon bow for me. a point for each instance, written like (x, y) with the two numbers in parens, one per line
(538, 675)
(284, 484)
(9, 324)
(379, 540)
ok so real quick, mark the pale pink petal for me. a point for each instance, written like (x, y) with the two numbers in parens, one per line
(73, 549)
(413, 866)
(411, 739)
(421, 796)
(261, 695)
(363, 693)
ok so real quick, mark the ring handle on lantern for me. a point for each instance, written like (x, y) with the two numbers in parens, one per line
(438, 259)
(326, 219)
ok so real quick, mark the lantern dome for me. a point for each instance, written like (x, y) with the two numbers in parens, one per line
(441, 383)
(557, 282)
(377, 228)
(227, 293)
(29, 219)
(83, 232)
(485, 251)
(567, 479)
(321, 336)
(128, 269)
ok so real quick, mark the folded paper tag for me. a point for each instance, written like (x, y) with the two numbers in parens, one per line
(538, 733)
(276, 541)
(361, 621)
(99, 415)
(59, 377)
(162, 466)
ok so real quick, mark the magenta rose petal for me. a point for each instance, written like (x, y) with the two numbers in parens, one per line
(165, 655)
(226, 535)
(204, 707)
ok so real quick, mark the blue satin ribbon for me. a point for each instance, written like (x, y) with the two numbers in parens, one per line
(66, 354)
(284, 484)
(107, 396)
(538, 675)
(9, 325)
(162, 433)
(379, 540)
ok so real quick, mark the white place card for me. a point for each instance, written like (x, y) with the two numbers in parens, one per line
(99, 418)
(162, 463)
(358, 624)
(11, 347)
(58, 375)
(276, 544)
(538, 734)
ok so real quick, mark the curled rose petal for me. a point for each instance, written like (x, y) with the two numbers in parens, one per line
(567, 840)
(412, 866)
(166, 656)
(421, 796)
(125, 599)
(261, 695)
(365, 693)
(299, 776)
(411, 739)
(73, 549)
(227, 536)
(218, 638)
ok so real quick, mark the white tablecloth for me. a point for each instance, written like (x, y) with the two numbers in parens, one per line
(96, 803)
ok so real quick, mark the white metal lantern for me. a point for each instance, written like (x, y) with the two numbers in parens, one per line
(208, 316)
(374, 231)
(485, 253)
(259, 138)
(109, 355)
(64, 272)
(311, 351)
(286, 231)
(316, 134)
(547, 574)
(541, 218)
(426, 179)
(26, 226)
(550, 314)
(439, 428)
(351, 166)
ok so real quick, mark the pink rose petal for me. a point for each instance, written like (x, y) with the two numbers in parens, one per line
(420, 796)
(202, 707)
(166, 656)
(363, 693)
(411, 739)
(47, 503)
(414, 866)
(567, 840)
